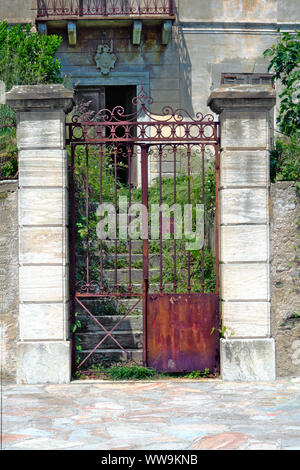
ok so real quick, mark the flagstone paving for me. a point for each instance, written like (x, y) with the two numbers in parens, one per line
(164, 415)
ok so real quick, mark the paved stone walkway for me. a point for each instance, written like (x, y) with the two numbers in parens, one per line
(170, 415)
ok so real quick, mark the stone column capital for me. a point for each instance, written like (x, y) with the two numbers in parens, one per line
(40, 97)
(241, 96)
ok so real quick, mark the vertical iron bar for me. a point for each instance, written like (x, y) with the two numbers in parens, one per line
(73, 255)
(144, 168)
(116, 220)
(160, 219)
(101, 241)
(217, 152)
(87, 218)
(203, 202)
(129, 217)
(175, 241)
(189, 202)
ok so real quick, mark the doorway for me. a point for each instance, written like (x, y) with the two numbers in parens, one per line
(110, 98)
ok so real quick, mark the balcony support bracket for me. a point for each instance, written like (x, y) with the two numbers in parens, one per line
(72, 33)
(166, 32)
(137, 32)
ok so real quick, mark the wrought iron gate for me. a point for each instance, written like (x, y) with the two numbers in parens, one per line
(165, 158)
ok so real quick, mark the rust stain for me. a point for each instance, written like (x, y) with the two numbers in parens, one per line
(179, 330)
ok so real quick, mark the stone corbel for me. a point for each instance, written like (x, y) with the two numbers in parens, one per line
(72, 33)
(166, 32)
(137, 32)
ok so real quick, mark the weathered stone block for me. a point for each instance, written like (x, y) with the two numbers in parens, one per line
(43, 167)
(248, 360)
(43, 284)
(246, 319)
(42, 245)
(244, 128)
(43, 206)
(44, 362)
(43, 321)
(244, 168)
(240, 243)
(41, 130)
(245, 281)
(244, 206)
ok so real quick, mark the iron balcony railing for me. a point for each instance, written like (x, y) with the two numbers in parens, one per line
(104, 8)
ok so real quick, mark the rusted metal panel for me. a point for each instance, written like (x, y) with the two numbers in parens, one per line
(182, 332)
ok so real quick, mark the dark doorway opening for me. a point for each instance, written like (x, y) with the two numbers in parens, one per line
(110, 97)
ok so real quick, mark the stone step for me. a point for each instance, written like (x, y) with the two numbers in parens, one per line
(123, 246)
(127, 339)
(108, 356)
(153, 288)
(114, 307)
(89, 325)
(123, 275)
(135, 258)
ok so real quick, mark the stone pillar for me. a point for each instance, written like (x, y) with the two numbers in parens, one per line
(248, 352)
(43, 349)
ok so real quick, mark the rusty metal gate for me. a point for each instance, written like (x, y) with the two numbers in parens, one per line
(122, 167)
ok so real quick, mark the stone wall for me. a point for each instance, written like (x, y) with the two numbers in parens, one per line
(285, 273)
(9, 298)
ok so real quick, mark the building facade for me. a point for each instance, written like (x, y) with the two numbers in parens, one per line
(180, 50)
(177, 52)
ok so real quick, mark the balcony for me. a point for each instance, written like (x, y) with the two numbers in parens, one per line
(104, 9)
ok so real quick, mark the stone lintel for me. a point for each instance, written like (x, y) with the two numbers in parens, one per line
(242, 96)
(33, 97)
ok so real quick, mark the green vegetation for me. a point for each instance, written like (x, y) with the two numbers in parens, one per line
(285, 159)
(285, 63)
(132, 371)
(108, 195)
(26, 58)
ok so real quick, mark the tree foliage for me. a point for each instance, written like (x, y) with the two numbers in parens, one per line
(26, 58)
(285, 64)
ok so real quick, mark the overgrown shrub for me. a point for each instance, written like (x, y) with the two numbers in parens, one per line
(285, 159)
(285, 64)
(26, 58)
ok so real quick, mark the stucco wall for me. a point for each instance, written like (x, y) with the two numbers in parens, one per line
(18, 11)
(285, 276)
(9, 299)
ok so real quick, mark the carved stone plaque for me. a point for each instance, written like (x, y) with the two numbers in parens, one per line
(105, 58)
